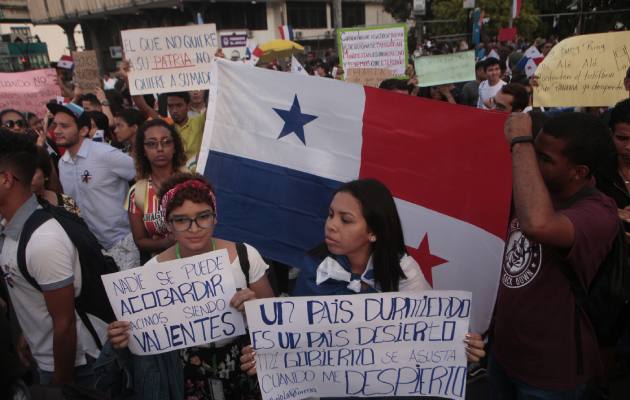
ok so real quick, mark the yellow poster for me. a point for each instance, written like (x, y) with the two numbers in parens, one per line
(584, 71)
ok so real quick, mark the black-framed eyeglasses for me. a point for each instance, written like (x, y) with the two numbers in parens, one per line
(11, 124)
(154, 144)
(203, 220)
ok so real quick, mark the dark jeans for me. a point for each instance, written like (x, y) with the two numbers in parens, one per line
(504, 387)
(83, 374)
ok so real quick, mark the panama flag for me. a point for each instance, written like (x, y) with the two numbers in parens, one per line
(286, 32)
(296, 67)
(530, 61)
(276, 145)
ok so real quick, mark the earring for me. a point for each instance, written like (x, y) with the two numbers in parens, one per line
(373, 239)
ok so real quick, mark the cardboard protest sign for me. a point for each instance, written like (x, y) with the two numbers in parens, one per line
(445, 68)
(374, 47)
(382, 344)
(29, 91)
(86, 74)
(369, 76)
(176, 304)
(584, 71)
(171, 59)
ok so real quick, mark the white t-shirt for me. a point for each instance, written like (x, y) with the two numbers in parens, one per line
(53, 261)
(486, 92)
(257, 267)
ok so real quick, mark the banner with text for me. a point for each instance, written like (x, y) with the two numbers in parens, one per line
(385, 344)
(445, 68)
(29, 91)
(174, 59)
(176, 304)
(374, 47)
(584, 71)
(369, 76)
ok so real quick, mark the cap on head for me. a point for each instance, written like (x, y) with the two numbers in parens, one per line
(72, 109)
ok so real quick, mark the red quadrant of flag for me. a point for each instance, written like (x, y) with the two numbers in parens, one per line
(448, 158)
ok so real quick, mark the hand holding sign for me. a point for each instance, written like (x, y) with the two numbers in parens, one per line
(175, 304)
(384, 344)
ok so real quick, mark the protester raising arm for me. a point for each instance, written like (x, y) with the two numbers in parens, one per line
(534, 209)
(106, 109)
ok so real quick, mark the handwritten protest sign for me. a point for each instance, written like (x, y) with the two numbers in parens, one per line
(386, 344)
(374, 47)
(176, 304)
(86, 74)
(29, 91)
(172, 59)
(445, 68)
(369, 76)
(586, 71)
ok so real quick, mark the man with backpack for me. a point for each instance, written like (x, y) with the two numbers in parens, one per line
(43, 290)
(544, 342)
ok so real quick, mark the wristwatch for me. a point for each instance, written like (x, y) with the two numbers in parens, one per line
(105, 103)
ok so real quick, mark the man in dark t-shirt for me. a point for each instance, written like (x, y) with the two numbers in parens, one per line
(559, 220)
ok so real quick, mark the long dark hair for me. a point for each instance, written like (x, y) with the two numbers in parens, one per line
(143, 167)
(381, 216)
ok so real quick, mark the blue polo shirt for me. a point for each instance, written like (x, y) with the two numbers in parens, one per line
(98, 179)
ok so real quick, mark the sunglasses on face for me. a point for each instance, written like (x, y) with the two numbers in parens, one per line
(11, 124)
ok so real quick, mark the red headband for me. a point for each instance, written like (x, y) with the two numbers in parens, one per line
(193, 183)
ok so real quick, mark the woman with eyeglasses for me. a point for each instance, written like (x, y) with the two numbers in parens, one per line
(159, 153)
(13, 120)
(188, 206)
(17, 122)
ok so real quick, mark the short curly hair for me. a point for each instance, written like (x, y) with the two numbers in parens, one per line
(194, 194)
(143, 166)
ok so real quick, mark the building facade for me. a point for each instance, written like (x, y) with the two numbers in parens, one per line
(26, 46)
(102, 20)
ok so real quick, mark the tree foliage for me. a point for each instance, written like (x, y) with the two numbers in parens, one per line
(399, 9)
(497, 11)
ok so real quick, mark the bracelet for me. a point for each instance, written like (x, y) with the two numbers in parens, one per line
(105, 103)
(520, 139)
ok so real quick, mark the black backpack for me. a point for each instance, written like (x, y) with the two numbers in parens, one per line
(606, 302)
(93, 298)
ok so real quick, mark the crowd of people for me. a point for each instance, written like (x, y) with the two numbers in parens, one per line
(125, 165)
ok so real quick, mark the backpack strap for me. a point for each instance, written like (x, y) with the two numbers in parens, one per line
(33, 222)
(140, 192)
(39, 217)
(243, 259)
(89, 326)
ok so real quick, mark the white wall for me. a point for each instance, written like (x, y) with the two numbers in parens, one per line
(52, 35)
(376, 15)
